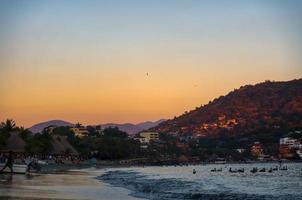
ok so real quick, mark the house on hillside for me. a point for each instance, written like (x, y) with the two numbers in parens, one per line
(80, 131)
(150, 135)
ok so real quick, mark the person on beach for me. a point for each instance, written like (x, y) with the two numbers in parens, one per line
(9, 163)
(32, 163)
(29, 163)
(2, 158)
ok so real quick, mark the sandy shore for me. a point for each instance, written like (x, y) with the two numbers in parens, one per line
(77, 184)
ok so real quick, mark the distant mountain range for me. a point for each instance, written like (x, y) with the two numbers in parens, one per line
(40, 126)
(265, 106)
(131, 129)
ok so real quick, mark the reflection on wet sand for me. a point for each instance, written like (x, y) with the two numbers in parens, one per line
(67, 185)
(46, 186)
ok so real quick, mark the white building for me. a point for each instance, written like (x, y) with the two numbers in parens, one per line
(145, 137)
(142, 140)
(291, 143)
(150, 135)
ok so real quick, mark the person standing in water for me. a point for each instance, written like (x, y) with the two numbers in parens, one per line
(9, 163)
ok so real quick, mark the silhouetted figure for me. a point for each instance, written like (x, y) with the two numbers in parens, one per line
(9, 163)
(194, 171)
(280, 163)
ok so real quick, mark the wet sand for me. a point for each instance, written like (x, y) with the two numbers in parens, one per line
(66, 185)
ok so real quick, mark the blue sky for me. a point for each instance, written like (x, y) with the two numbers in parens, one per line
(105, 48)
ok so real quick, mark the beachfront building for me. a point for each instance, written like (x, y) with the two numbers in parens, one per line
(290, 142)
(257, 149)
(289, 147)
(80, 131)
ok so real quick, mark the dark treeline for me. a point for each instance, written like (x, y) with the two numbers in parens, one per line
(114, 144)
(111, 144)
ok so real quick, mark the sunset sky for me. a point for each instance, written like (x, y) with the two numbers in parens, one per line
(87, 61)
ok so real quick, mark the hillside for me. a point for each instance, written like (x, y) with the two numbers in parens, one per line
(264, 106)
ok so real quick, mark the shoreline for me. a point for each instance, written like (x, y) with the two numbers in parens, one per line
(66, 182)
(60, 184)
(63, 168)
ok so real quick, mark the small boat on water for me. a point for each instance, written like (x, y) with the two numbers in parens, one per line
(232, 171)
(216, 170)
(17, 168)
(219, 170)
(254, 170)
(240, 170)
(262, 170)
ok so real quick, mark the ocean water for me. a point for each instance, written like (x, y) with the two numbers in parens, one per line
(179, 182)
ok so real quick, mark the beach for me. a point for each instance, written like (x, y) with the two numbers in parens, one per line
(159, 182)
(74, 184)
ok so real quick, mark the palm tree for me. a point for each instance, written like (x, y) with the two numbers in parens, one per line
(9, 125)
(5, 129)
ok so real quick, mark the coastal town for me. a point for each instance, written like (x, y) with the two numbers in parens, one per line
(78, 144)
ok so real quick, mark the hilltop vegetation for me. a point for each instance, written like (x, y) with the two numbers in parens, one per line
(261, 113)
(269, 106)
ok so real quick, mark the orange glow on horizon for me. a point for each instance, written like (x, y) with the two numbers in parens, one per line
(88, 62)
